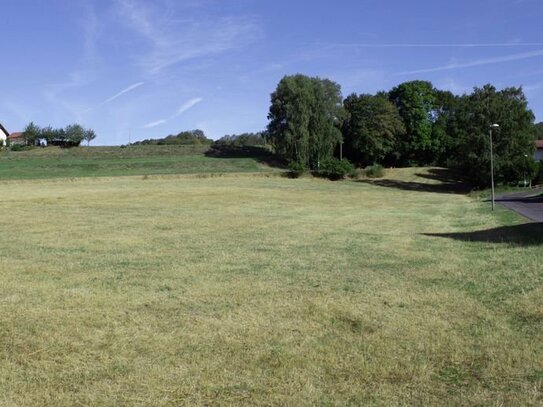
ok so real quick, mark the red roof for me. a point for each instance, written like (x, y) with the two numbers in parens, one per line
(15, 136)
(539, 144)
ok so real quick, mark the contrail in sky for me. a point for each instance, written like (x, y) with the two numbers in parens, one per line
(478, 62)
(122, 92)
(443, 45)
(186, 106)
(154, 124)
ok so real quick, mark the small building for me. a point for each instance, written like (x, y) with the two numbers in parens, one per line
(17, 138)
(4, 134)
(538, 155)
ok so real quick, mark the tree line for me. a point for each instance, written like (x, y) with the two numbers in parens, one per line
(413, 124)
(70, 136)
(182, 138)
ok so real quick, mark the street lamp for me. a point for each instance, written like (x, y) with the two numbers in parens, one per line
(494, 126)
(525, 170)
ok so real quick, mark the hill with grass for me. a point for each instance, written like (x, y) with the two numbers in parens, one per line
(56, 162)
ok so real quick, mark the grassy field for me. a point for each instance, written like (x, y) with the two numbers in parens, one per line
(252, 290)
(55, 162)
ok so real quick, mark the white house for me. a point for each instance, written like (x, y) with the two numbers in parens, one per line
(4, 134)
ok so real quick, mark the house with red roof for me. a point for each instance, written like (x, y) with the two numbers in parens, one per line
(17, 138)
(538, 155)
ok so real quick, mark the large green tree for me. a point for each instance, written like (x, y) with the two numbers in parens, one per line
(415, 102)
(445, 105)
(371, 128)
(513, 142)
(74, 134)
(305, 117)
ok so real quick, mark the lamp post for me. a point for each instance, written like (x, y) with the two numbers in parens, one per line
(494, 126)
(525, 170)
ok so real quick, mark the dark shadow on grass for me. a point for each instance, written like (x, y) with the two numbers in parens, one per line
(527, 234)
(450, 182)
(258, 153)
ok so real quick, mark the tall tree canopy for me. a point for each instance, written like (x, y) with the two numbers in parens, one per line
(371, 128)
(75, 134)
(415, 102)
(305, 118)
(445, 105)
(412, 124)
(513, 142)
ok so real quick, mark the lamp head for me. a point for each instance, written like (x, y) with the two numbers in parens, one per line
(495, 126)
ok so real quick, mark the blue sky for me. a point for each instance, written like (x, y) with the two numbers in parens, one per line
(155, 67)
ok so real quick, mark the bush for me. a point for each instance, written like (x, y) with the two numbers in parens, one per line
(375, 171)
(296, 169)
(335, 169)
(357, 173)
(16, 147)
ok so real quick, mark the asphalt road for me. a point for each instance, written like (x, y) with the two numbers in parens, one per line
(529, 204)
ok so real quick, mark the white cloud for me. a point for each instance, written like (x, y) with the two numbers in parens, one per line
(479, 62)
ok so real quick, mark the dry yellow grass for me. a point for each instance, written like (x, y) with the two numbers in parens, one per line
(263, 291)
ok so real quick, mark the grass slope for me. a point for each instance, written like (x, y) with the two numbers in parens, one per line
(54, 162)
(265, 291)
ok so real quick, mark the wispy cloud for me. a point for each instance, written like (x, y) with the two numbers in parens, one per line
(90, 27)
(122, 92)
(478, 62)
(21, 112)
(55, 93)
(453, 85)
(187, 105)
(155, 124)
(534, 87)
(176, 40)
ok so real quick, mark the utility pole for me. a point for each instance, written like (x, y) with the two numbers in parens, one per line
(494, 126)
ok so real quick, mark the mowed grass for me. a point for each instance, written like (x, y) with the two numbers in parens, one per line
(55, 162)
(248, 290)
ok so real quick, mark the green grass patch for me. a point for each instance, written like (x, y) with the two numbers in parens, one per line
(247, 290)
(54, 162)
